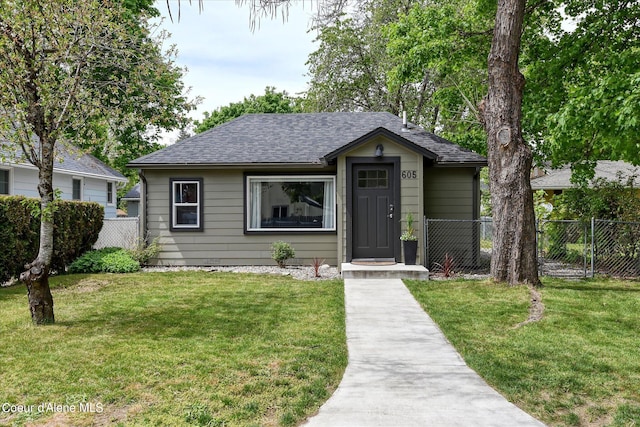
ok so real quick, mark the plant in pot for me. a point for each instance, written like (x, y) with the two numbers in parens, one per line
(409, 241)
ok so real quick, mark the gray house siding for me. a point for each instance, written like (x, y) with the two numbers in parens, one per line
(448, 193)
(133, 208)
(222, 240)
(410, 186)
(451, 193)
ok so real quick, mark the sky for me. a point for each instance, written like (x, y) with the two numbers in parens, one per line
(227, 62)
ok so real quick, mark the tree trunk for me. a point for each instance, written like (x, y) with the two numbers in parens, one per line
(510, 158)
(40, 299)
(36, 276)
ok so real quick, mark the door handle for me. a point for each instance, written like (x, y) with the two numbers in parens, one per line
(390, 211)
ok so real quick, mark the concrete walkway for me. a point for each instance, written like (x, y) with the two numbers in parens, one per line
(403, 372)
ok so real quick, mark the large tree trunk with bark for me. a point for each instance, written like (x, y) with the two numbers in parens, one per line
(40, 299)
(36, 276)
(510, 158)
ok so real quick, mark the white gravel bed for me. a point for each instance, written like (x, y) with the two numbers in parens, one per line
(297, 272)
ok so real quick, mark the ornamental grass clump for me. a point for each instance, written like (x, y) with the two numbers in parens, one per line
(409, 234)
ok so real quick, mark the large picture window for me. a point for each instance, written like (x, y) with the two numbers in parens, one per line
(291, 203)
(186, 204)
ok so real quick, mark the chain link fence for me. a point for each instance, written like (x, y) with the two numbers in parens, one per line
(458, 245)
(568, 249)
(563, 248)
(119, 232)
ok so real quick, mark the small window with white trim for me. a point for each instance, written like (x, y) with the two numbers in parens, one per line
(110, 193)
(76, 189)
(4, 182)
(186, 204)
(291, 203)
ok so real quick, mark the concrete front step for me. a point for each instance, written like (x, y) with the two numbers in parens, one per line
(395, 271)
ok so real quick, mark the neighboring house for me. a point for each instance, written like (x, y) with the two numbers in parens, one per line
(78, 176)
(132, 199)
(337, 186)
(556, 181)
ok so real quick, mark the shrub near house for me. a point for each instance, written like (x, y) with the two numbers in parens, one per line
(107, 260)
(76, 229)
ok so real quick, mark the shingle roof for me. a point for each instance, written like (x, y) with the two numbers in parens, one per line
(75, 161)
(133, 194)
(560, 179)
(304, 138)
(72, 160)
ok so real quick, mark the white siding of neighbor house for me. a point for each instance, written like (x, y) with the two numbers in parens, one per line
(93, 190)
(222, 240)
(24, 182)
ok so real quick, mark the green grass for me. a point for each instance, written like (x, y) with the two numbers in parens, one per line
(187, 348)
(579, 366)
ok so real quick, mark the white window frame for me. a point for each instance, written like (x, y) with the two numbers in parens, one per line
(111, 193)
(77, 178)
(175, 226)
(9, 181)
(253, 182)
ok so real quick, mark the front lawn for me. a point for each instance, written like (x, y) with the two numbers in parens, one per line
(181, 348)
(579, 366)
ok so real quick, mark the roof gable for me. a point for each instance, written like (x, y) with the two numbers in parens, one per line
(376, 133)
(303, 139)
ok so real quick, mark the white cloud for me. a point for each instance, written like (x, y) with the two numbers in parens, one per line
(226, 61)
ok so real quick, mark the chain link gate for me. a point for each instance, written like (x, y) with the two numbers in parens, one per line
(616, 248)
(563, 248)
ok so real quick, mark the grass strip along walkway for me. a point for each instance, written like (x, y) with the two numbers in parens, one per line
(184, 348)
(578, 366)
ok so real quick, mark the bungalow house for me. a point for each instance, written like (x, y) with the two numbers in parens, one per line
(77, 175)
(336, 186)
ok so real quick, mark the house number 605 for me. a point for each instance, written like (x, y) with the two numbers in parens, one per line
(409, 174)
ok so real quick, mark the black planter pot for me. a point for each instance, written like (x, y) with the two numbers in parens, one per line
(410, 248)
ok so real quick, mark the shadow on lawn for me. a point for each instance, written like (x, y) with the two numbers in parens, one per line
(10, 291)
(595, 285)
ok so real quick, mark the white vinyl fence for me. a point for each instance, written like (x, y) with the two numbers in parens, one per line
(119, 232)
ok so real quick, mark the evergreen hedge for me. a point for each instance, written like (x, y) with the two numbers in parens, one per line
(76, 229)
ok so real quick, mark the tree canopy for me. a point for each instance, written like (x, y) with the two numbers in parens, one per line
(349, 69)
(441, 47)
(582, 99)
(142, 119)
(79, 73)
(270, 102)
